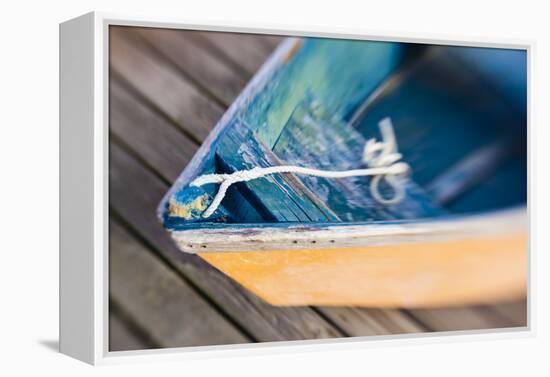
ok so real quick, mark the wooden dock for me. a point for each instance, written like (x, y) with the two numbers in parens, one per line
(168, 88)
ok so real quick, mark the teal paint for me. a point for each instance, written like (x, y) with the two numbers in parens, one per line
(298, 110)
(190, 203)
(315, 138)
(503, 69)
(273, 196)
(340, 73)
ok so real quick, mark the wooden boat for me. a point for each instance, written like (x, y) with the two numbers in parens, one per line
(457, 233)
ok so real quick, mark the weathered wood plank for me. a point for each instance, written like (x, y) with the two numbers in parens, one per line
(314, 137)
(121, 337)
(244, 52)
(159, 142)
(162, 85)
(463, 318)
(135, 192)
(282, 204)
(515, 312)
(159, 301)
(196, 63)
(364, 322)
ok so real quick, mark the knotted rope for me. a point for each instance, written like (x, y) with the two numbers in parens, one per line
(381, 157)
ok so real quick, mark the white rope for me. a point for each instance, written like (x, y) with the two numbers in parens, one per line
(381, 157)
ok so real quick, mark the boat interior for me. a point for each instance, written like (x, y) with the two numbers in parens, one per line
(459, 116)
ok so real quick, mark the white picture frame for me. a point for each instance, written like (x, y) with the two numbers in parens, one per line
(84, 207)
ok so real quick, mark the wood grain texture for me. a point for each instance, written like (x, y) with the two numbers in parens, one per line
(515, 312)
(160, 144)
(161, 84)
(158, 300)
(194, 62)
(469, 318)
(121, 336)
(245, 53)
(160, 110)
(364, 322)
(317, 139)
(234, 156)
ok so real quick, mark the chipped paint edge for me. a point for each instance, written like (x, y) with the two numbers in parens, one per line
(325, 236)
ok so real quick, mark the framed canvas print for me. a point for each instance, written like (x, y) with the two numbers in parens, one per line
(224, 187)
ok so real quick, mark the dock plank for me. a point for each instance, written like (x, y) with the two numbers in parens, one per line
(159, 301)
(464, 318)
(158, 142)
(165, 87)
(194, 62)
(243, 52)
(364, 322)
(515, 312)
(121, 337)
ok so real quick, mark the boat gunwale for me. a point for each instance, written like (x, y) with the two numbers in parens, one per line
(224, 237)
